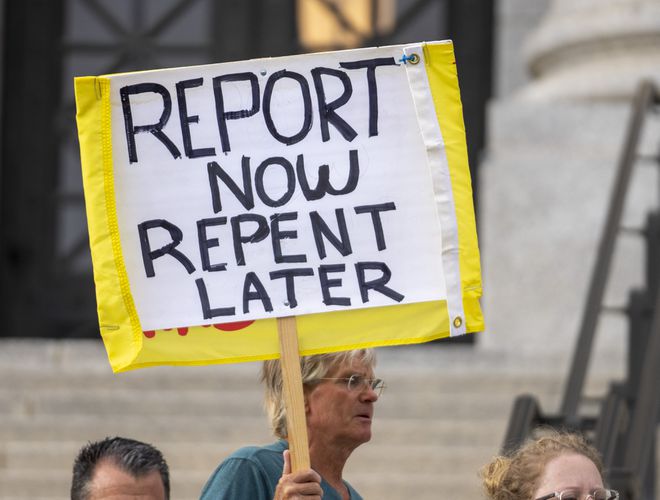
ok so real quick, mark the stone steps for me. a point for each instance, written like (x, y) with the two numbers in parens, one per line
(226, 379)
(442, 416)
(165, 427)
(223, 429)
(191, 456)
(136, 402)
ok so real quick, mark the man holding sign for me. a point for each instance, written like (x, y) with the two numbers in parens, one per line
(323, 198)
(339, 392)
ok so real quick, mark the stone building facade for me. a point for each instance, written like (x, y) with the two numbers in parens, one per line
(566, 73)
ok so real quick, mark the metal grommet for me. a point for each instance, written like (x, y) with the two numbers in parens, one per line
(413, 58)
(458, 321)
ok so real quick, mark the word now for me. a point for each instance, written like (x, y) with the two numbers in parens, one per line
(326, 110)
(245, 195)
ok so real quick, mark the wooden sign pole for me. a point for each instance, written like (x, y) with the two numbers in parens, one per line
(294, 400)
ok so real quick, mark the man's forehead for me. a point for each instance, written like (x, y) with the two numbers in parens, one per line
(350, 367)
(110, 482)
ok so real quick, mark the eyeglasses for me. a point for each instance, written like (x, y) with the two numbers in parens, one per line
(597, 494)
(359, 383)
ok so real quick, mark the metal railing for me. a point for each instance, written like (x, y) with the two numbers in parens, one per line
(625, 429)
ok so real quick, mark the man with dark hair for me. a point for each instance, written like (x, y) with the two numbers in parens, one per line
(120, 468)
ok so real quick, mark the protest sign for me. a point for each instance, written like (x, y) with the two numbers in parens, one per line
(332, 187)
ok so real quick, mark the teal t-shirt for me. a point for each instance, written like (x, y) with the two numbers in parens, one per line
(252, 473)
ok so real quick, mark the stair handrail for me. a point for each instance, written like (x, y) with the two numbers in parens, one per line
(640, 439)
(645, 96)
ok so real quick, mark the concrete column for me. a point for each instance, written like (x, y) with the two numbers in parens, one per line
(594, 49)
(553, 145)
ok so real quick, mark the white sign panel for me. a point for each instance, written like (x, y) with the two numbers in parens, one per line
(273, 187)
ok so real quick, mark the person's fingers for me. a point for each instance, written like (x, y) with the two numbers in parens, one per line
(309, 489)
(288, 490)
(306, 476)
(287, 462)
(305, 483)
(302, 484)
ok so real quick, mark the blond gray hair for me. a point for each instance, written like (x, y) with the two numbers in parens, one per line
(312, 368)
